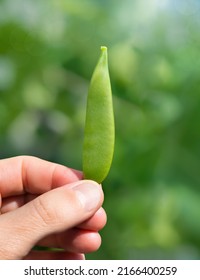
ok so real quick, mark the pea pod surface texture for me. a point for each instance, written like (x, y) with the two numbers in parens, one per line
(99, 135)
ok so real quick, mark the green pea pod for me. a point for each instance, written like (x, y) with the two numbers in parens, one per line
(99, 136)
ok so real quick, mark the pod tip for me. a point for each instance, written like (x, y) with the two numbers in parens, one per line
(103, 48)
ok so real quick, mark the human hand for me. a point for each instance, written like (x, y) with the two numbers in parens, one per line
(47, 204)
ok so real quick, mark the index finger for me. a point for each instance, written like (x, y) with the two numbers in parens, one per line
(27, 174)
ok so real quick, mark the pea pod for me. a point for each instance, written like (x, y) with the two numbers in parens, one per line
(99, 135)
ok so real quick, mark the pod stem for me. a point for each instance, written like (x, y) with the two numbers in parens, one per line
(103, 48)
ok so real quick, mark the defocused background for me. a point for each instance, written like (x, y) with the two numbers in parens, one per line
(48, 50)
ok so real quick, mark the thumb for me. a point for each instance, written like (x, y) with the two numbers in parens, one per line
(54, 211)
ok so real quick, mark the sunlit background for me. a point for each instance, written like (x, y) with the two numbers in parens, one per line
(48, 50)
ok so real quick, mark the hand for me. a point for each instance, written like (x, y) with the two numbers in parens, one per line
(47, 204)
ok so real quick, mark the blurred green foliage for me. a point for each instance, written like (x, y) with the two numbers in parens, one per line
(48, 50)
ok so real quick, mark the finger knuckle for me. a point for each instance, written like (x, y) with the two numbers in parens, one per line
(44, 210)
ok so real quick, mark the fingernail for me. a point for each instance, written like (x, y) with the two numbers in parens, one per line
(89, 195)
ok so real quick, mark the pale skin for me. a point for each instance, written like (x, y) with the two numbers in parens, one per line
(47, 204)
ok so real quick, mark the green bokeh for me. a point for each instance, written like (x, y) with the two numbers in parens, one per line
(48, 50)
